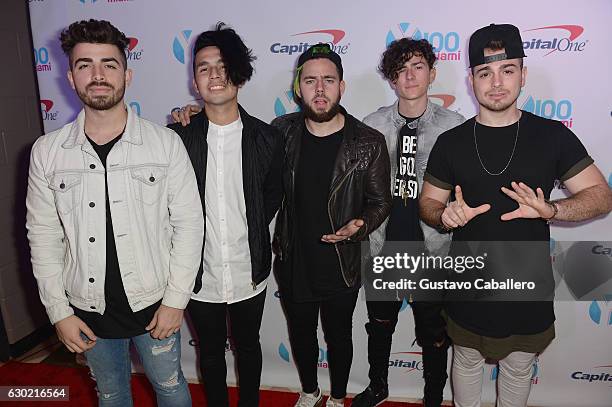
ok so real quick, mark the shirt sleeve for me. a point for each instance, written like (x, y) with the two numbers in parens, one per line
(438, 171)
(573, 157)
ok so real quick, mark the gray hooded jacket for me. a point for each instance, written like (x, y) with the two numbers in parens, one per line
(434, 121)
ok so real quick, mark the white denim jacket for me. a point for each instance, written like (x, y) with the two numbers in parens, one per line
(155, 209)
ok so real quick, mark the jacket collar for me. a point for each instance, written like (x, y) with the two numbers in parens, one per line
(76, 136)
(201, 120)
(399, 121)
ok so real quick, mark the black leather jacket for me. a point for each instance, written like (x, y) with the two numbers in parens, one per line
(359, 188)
(262, 155)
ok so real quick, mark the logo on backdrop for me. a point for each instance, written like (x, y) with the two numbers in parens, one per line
(180, 45)
(285, 355)
(333, 37)
(445, 44)
(599, 375)
(550, 39)
(42, 59)
(535, 375)
(46, 107)
(135, 106)
(410, 361)
(133, 53)
(610, 180)
(600, 312)
(88, 1)
(229, 346)
(442, 99)
(285, 103)
(560, 109)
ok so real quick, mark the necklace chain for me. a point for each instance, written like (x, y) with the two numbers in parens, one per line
(518, 126)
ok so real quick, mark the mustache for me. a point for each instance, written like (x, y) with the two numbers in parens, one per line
(98, 84)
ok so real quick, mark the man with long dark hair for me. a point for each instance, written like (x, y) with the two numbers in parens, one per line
(115, 226)
(237, 160)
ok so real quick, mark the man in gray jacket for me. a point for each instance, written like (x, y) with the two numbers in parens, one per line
(411, 126)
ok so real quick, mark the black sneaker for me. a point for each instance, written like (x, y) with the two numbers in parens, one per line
(371, 397)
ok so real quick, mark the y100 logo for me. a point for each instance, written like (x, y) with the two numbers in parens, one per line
(180, 45)
(446, 100)
(445, 44)
(285, 104)
(550, 109)
(284, 354)
(535, 374)
(135, 106)
(41, 59)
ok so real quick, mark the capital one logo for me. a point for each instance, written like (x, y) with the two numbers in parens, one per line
(442, 99)
(445, 44)
(180, 45)
(561, 109)
(535, 374)
(285, 103)
(284, 354)
(45, 106)
(410, 361)
(553, 38)
(610, 180)
(132, 53)
(88, 1)
(308, 38)
(600, 312)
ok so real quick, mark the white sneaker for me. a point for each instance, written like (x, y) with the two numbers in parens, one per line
(310, 399)
(334, 403)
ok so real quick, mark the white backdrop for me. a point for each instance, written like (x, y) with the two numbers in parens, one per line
(569, 64)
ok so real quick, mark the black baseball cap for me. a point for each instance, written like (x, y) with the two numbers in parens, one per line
(321, 50)
(507, 33)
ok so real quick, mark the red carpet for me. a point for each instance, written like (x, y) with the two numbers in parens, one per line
(83, 394)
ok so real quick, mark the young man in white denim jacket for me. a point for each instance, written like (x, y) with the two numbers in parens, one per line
(115, 226)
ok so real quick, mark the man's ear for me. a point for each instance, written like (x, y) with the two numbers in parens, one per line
(70, 79)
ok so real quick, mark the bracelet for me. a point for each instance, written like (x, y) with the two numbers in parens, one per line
(555, 209)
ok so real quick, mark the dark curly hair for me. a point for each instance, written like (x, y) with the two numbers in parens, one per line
(236, 56)
(94, 32)
(400, 51)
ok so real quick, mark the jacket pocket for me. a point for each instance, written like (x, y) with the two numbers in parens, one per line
(66, 188)
(149, 183)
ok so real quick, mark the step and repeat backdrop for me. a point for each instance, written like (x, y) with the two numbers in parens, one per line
(569, 61)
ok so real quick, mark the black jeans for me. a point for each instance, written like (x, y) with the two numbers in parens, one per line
(210, 322)
(337, 322)
(429, 329)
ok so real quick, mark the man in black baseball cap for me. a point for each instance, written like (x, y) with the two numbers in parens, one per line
(504, 34)
(501, 166)
(336, 182)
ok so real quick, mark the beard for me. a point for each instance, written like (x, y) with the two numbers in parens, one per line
(321, 117)
(499, 106)
(102, 102)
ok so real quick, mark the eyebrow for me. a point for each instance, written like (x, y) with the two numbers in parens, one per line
(318, 76)
(201, 63)
(110, 59)
(504, 66)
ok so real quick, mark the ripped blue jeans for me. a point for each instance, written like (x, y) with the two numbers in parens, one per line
(110, 363)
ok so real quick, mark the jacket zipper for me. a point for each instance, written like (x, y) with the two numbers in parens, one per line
(332, 222)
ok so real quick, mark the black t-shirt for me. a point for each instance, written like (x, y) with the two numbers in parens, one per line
(118, 320)
(403, 224)
(316, 268)
(545, 151)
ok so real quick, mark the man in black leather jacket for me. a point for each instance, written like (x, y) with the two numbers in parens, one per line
(336, 178)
